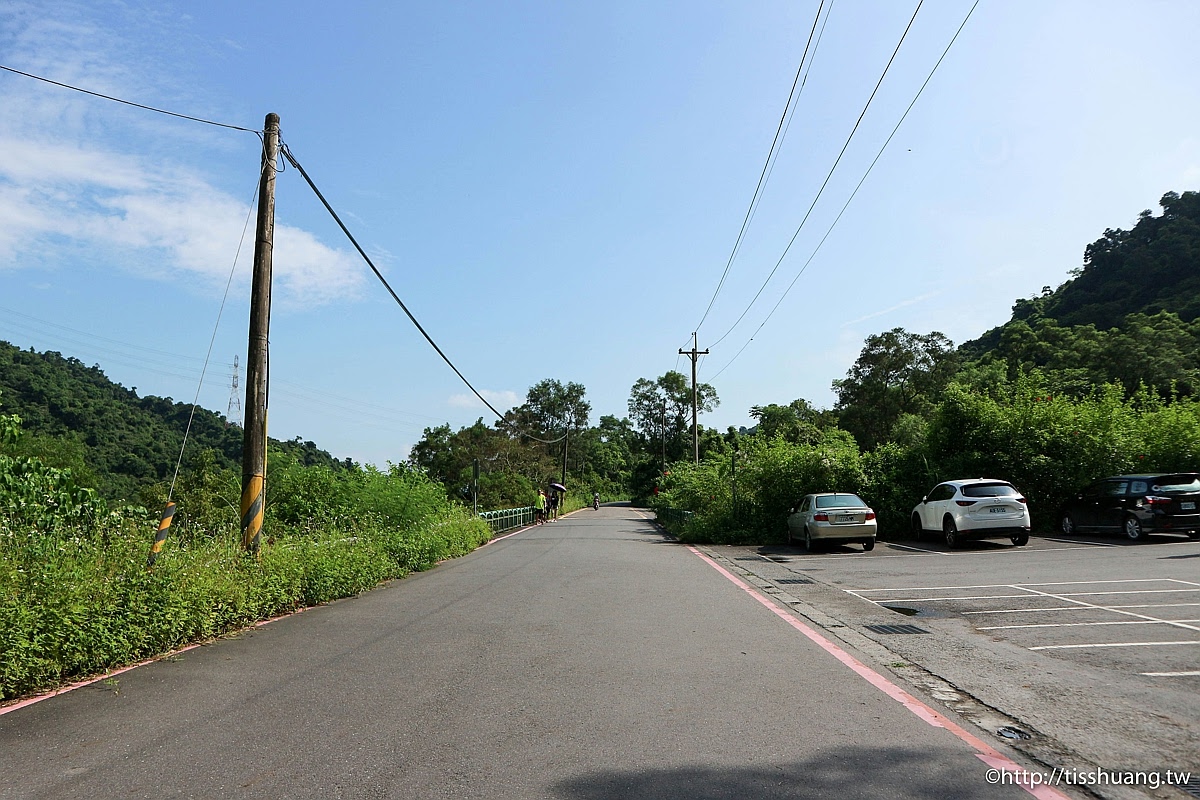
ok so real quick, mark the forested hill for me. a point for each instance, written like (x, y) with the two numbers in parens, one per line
(73, 416)
(1155, 267)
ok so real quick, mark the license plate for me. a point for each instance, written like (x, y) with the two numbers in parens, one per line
(998, 509)
(845, 518)
(1189, 506)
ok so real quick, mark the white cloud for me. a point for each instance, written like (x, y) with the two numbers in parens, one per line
(170, 222)
(502, 400)
(82, 178)
(902, 304)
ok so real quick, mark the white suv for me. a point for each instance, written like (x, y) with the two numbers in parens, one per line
(978, 508)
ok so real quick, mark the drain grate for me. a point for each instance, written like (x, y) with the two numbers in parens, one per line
(1192, 787)
(895, 629)
(794, 580)
(747, 558)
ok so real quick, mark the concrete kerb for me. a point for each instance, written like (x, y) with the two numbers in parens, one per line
(1040, 748)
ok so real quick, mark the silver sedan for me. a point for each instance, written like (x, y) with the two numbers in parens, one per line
(838, 517)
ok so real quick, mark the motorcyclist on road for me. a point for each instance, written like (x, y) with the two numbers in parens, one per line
(596, 500)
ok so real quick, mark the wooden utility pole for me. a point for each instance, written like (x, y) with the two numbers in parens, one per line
(254, 433)
(694, 354)
(566, 439)
(663, 430)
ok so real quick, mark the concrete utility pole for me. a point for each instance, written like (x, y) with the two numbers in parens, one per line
(694, 354)
(254, 434)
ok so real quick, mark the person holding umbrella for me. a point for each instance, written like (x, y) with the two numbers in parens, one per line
(557, 490)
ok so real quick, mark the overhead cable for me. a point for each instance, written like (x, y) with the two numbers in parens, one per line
(208, 355)
(762, 177)
(287, 153)
(827, 178)
(856, 188)
(129, 102)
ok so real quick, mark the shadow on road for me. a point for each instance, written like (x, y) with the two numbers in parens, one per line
(848, 772)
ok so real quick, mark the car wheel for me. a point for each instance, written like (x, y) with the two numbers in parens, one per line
(790, 539)
(809, 544)
(1133, 529)
(950, 532)
(1021, 539)
(916, 527)
(868, 545)
(1067, 525)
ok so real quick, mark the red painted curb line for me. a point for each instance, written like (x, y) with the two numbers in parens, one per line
(986, 753)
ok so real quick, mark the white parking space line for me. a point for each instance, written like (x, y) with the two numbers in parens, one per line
(1171, 674)
(944, 599)
(1109, 644)
(1074, 608)
(1081, 624)
(1134, 591)
(916, 549)
(1081, 541)
(1104, 608)
(1011, 585)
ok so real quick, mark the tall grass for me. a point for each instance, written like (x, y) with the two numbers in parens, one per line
(76, 597)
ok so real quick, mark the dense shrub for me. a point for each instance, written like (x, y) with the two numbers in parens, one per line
(1048, 446)
(76, 596)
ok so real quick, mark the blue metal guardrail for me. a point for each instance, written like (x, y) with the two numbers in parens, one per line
(507, 519)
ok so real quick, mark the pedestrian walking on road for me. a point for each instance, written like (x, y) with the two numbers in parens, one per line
(554, 505)
(539, 508)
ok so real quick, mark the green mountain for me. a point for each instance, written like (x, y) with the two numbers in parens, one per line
(73, 416)
(1131, 313)
(1152, 268)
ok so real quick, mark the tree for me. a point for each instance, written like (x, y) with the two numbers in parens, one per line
(897, 373)
(797, 422)
(662, 411)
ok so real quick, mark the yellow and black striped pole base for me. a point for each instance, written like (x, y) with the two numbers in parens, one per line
(160, 536)
(252, 513)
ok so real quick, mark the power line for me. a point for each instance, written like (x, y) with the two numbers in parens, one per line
(129, 102)
(878, 155)
(287, 153)
(827, 178)
(762, 178)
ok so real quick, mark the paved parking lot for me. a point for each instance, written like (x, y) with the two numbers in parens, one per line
(1138, 611)
(1091, 642)
(1146, 625)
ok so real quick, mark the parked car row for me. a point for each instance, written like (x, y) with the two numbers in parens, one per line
(990, 508)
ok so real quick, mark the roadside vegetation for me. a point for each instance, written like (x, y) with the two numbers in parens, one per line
(1099, 376)
(76, 596)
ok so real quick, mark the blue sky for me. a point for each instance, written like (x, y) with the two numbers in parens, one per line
(554, 189)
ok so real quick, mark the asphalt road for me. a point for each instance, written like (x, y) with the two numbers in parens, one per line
(1089, 644)
(588, 658)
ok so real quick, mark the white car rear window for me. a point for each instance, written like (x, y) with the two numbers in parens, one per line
(840, 501)
(990, 490)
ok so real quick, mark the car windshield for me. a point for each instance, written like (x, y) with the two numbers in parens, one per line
(1176, 484)
(840, 501)
(989, 490)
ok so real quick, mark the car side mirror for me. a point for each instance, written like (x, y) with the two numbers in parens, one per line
(924, 500)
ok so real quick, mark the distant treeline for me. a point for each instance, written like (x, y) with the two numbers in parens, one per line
(111, 439)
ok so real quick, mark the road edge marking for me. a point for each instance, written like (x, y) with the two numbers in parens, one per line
(985, 752)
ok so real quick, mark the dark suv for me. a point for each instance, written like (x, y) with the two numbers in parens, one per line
(1136, 505)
